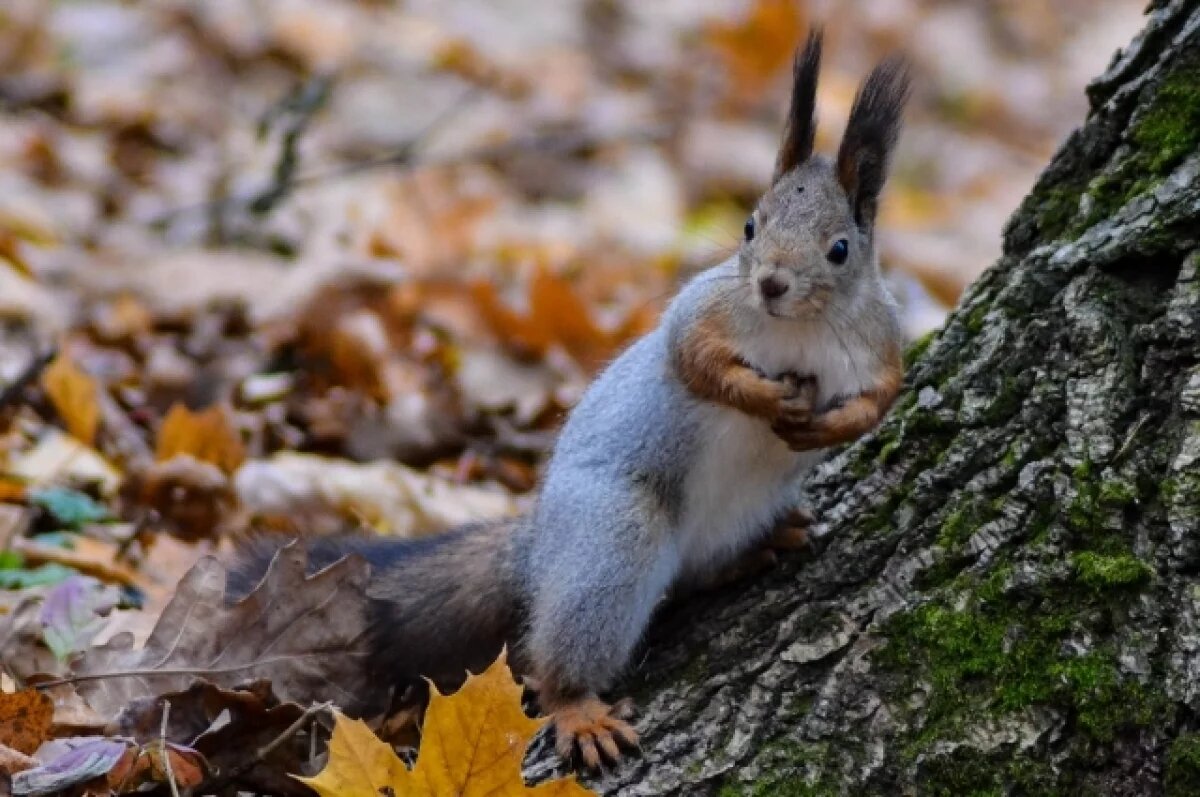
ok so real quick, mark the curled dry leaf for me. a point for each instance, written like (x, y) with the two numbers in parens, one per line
(71, 614)
(303, 633)
(25, 719)
(74, 395)
(120, 766)
(387, 496)
(473, 743)
(68, 762)
(192, 496)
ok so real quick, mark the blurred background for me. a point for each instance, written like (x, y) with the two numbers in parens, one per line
(413, 230)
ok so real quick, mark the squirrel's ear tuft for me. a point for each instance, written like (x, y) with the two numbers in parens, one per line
(871, 135)
(801, 127)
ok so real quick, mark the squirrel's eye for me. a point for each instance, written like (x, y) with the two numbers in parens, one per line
(748, 230)
(839, 251)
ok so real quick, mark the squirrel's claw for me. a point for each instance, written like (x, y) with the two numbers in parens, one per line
(594, 730)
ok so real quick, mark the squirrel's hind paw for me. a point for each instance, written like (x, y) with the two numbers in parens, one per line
(594, 730)
(791, 533)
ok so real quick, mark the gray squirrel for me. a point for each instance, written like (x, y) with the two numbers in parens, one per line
(680, 458)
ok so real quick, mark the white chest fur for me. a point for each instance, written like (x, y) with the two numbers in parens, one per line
(745, 475)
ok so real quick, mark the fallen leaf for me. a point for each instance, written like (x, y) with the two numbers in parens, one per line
(492, 382)
(306, 634)
(230, 727)
(73, 392)
(518, 332)
(22, 648)
(389, 497)
(208, 436)
(28, 573)
(757, 48)
(71, 614)
(83, 559)
(72, 716)
(157, 763)
(71, 508)
(556, 307)
(120, 764)
(11, 490)
(69, 762)
(473, 743)
(25, 719)
(12, 762)
(58, 457)
(360, 765)
(192, 496)
(557, 315)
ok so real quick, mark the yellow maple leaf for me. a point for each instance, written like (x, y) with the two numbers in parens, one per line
(73, 393)
(472, 745)
(208, 436)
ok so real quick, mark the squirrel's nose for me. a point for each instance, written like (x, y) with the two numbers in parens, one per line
(772, 287)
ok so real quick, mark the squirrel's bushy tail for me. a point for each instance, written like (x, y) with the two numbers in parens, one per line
(438, 606)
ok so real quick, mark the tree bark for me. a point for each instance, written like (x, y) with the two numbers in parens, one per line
(1005, 596)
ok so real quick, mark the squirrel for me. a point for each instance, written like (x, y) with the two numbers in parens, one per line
(680, 457)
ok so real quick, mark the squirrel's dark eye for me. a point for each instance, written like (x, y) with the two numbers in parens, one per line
(839, 251)
(748, 230)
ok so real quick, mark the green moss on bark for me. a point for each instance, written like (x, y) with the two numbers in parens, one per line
(1100, 571)
(1163, 134)
(1183, 766)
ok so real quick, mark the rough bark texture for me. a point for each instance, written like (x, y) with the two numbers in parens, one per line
(1006, 599)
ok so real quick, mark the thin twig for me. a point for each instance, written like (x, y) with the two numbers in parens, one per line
(297, 112)
(402, 155)
(165, 751)
(208, 672)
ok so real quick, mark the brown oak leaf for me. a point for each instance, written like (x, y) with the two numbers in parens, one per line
(303, 633)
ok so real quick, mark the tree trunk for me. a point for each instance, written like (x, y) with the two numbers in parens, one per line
(1005, 599)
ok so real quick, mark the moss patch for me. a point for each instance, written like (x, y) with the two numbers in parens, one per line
(1165, 133)
(1183, 766)
(791, 784)
(968, 772)
(984, 650)
(917, 348)
(1100, 571)
(1169, 130)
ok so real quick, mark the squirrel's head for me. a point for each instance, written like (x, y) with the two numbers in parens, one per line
(812, 236)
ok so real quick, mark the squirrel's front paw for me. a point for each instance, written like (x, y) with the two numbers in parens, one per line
(796, 406)
(594, 730)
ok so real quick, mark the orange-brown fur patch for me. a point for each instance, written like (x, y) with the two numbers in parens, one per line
(708, 364)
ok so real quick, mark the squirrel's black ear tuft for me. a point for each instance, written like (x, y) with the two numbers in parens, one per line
(801, 127)
(871, 135)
